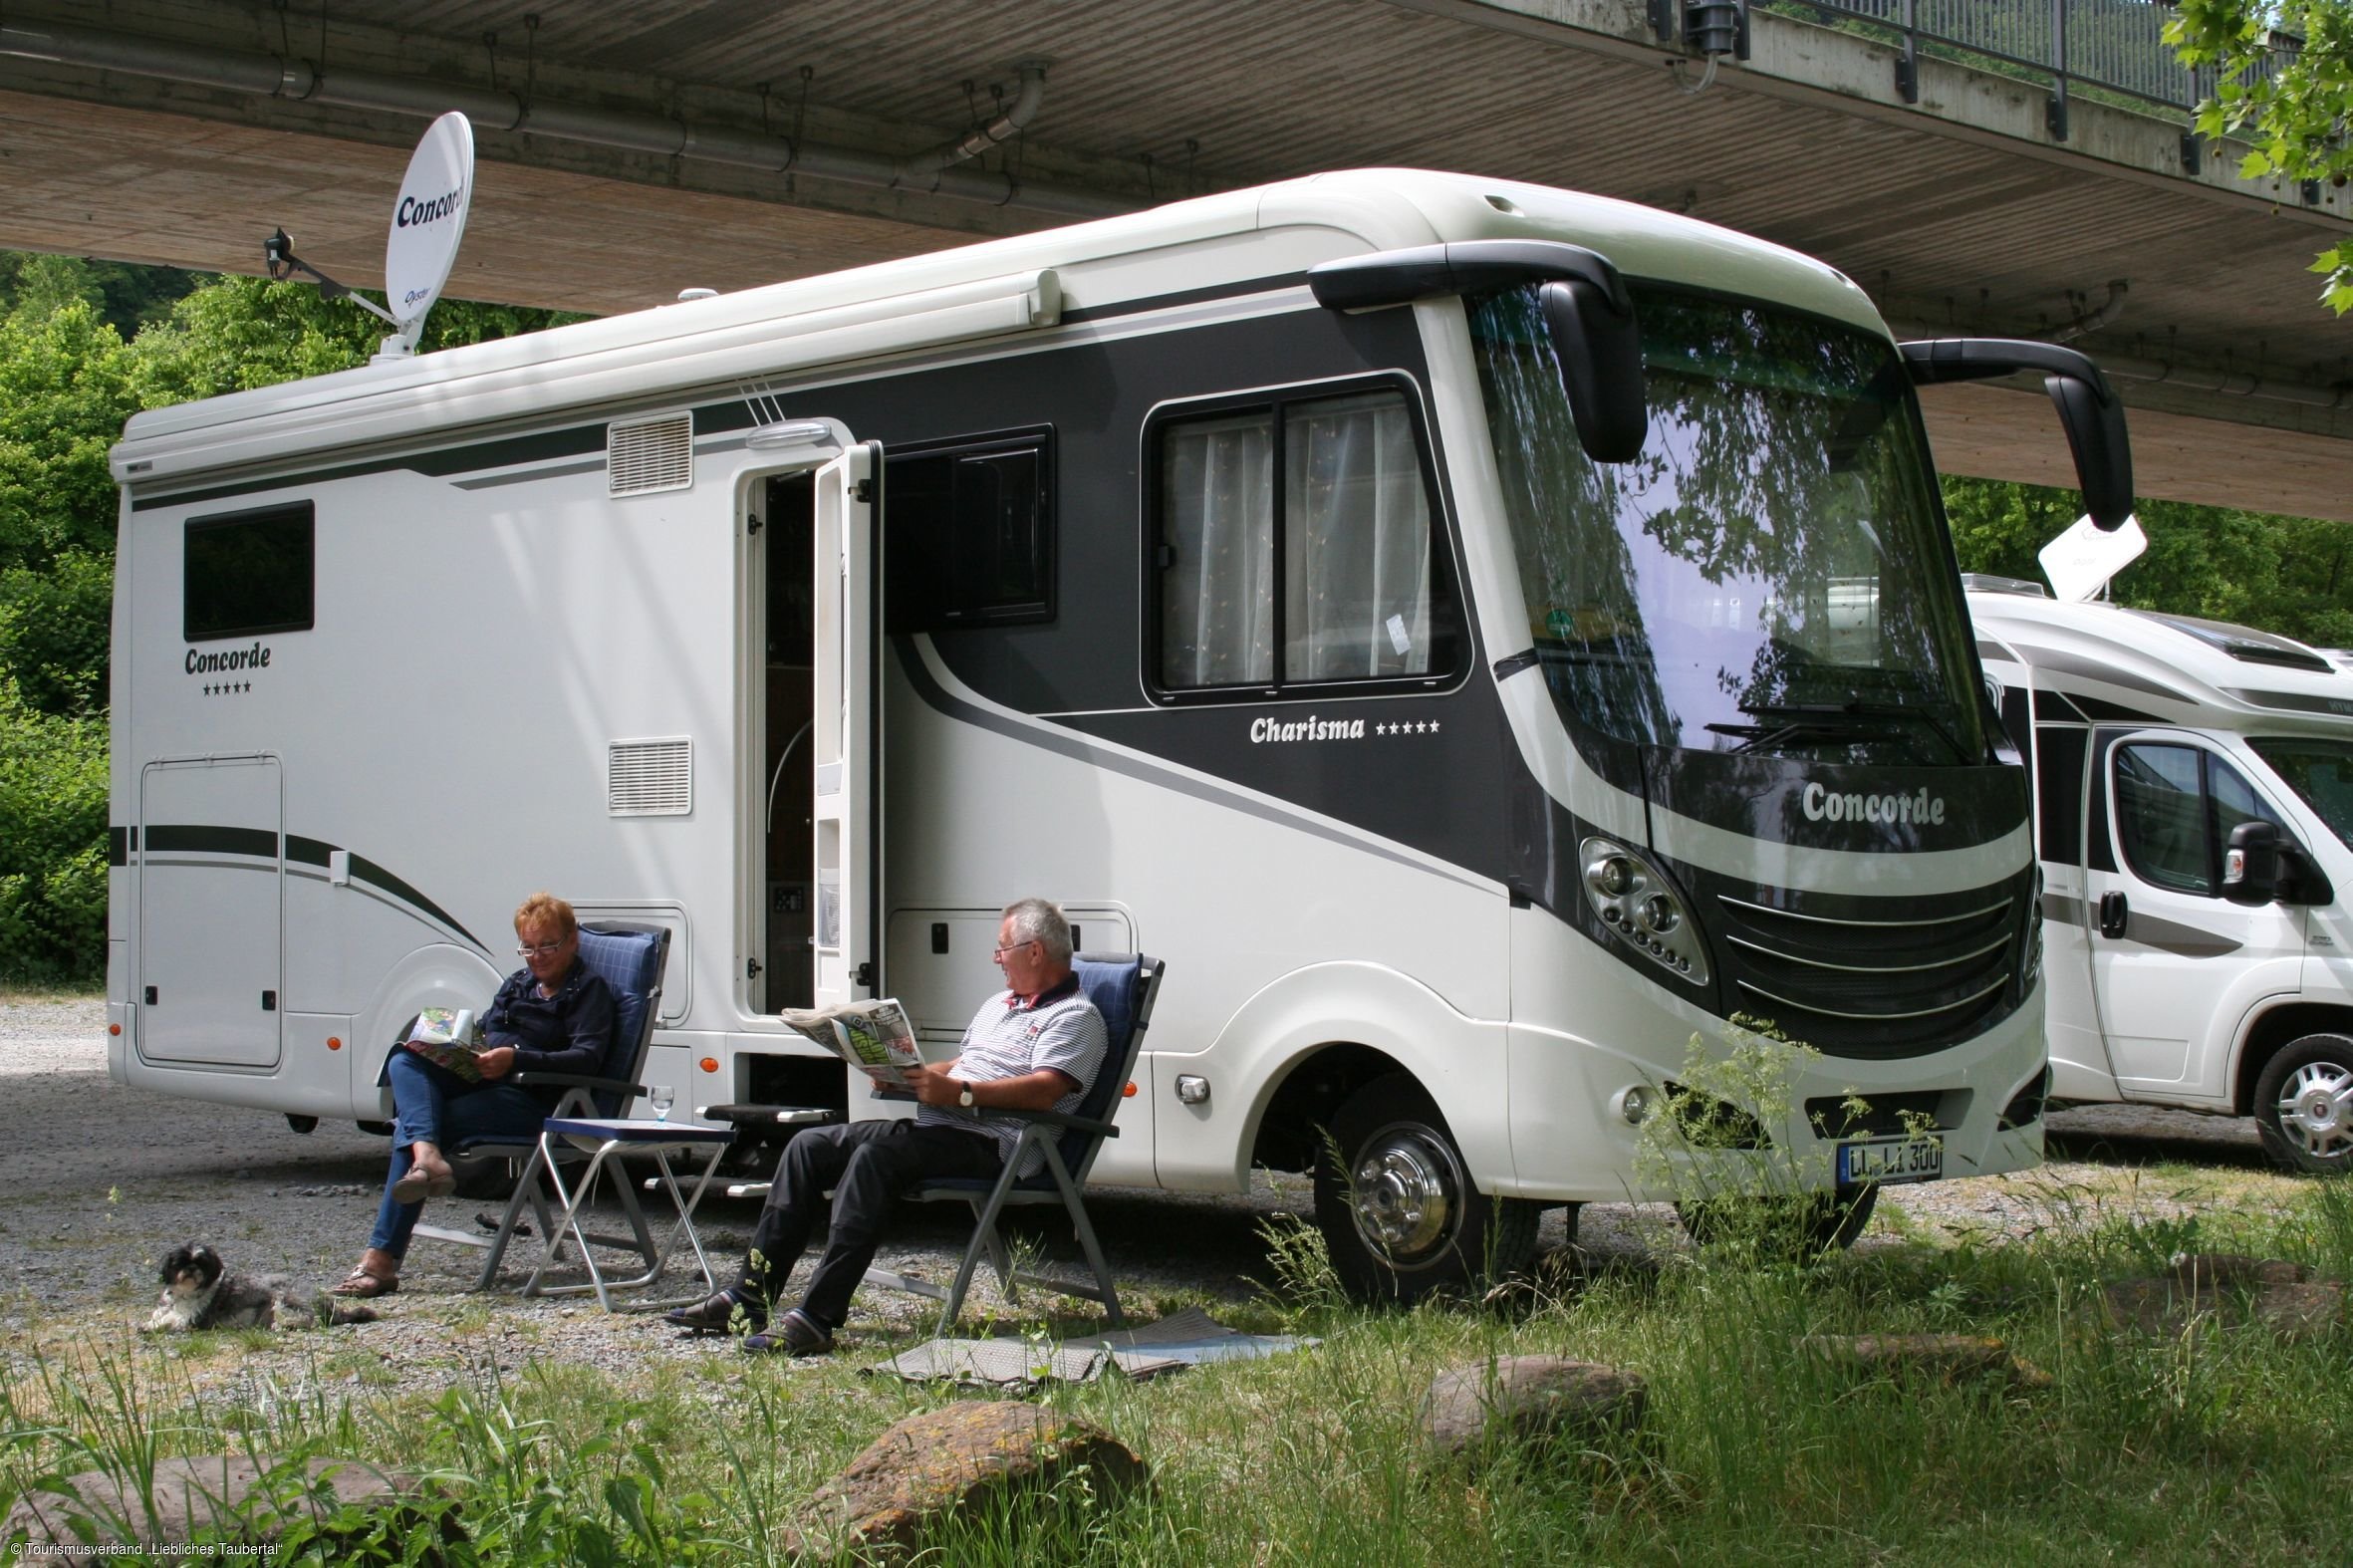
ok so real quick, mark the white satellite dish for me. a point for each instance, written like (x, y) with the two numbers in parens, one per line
(2080, 561)
(428, 220)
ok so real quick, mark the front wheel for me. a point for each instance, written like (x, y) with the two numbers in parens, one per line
(1400, 1213)
(2304, 1103)
(1804, 1225)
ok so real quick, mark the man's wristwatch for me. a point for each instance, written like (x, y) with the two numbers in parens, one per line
(964, 1094)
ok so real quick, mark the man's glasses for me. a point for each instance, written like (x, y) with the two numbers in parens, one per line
(999, 955)
(544, 949)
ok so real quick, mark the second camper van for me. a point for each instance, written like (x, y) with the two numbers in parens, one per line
(2194, 783)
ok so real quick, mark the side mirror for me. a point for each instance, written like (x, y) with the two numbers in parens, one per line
(2250, 866)
(2089, 409)
(1598, 340)
(1588, 315)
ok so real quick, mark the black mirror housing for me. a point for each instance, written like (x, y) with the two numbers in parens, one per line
(2250, 864)
(1598, 342)
(2089, 409)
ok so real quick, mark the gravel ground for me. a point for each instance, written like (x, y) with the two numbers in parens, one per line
(103, 1179)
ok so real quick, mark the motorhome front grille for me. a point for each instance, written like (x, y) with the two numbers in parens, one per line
(650, 454)
(1874, 978)
(649, 778)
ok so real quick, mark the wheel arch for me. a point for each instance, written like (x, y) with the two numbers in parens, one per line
(2275, 1027)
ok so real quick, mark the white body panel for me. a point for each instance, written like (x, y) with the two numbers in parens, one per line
(497, 629)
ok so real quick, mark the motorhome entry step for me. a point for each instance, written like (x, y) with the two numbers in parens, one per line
(765, 1116)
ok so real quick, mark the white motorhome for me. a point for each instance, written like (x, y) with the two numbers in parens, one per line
(2195, 783)
(1241, 574)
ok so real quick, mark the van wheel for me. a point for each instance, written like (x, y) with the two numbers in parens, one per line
(1398, 1212)
(1804, 1225)
(2304, 1103)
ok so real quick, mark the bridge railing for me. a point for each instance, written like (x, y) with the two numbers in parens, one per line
(2113, 45)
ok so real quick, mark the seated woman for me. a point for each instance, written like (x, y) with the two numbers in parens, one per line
(552, 1015)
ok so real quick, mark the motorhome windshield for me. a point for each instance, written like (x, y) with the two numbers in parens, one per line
(2321, 774)
(1769, 574)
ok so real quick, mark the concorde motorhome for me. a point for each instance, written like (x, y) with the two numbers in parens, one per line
(2178, 973)
(1318, 587)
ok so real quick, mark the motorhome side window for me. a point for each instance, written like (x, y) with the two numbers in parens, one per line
(971, 532)
(244, 574)
(2174, 809)
(1293, 545)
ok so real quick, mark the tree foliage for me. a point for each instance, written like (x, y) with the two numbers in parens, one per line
(2292, 104)
(2291, 575)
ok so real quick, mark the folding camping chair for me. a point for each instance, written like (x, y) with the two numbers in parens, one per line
(631, 962)
(1122, 986)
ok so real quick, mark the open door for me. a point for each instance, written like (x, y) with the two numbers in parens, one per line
(846, 729)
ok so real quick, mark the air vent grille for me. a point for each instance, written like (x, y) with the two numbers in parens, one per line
(649, 778)
(645, 455)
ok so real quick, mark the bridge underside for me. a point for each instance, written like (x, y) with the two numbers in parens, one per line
(1960, 213)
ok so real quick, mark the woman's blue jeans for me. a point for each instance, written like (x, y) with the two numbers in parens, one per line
(432, 1105)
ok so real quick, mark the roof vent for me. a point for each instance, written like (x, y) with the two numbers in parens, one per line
(649, 778)
(651, 454)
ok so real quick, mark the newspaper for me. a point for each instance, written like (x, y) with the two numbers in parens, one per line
(875, 1037)
(450, 1037)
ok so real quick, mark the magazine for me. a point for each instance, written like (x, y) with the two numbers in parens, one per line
(875, 1037)
(451, 1037)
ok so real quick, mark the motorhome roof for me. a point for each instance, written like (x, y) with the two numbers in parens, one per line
(2175, 669)
(1034, 281)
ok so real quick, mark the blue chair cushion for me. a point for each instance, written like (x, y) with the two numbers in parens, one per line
(630, 963)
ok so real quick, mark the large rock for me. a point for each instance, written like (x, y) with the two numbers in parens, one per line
(1944, 1357)
(959, 1461)
(2230, 1290)
(1529, 1399)
(223, 1494)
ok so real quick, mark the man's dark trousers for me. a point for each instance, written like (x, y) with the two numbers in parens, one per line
(869, 1165)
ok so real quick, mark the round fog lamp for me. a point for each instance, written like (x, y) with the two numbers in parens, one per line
(1634, 1105)
(1659, 913)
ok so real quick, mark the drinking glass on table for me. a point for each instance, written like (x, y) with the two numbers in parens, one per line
(660, 1098)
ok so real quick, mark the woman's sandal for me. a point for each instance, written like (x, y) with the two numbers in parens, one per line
(362, 1283)
(420, 1182)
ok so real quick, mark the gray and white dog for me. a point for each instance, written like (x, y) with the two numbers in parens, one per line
(200, 1292)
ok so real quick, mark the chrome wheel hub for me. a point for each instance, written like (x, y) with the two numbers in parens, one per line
(1406, 1192)
(2316, 1109)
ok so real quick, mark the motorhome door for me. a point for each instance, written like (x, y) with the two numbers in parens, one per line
(211, 896)
(845, 728)
(2166, 945)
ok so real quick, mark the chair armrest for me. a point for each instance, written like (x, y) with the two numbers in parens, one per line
(532, 1077)
(1050, 1117)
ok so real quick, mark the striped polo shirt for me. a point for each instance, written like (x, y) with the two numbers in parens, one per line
(1009, 1037)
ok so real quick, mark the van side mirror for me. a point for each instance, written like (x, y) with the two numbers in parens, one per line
(1589, 318)
(2250, 864)
(2089, 409)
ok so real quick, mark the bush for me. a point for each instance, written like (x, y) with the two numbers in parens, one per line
(53, 837)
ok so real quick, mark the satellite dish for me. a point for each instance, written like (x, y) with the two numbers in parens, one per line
(2080, 561)
(428, 219)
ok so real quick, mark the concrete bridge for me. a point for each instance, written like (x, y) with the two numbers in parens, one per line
(2029, 184)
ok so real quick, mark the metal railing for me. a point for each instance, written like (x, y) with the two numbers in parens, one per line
(2113, 45)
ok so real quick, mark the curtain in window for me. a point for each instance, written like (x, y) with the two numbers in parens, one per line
(1218, 514)
(1355, 542)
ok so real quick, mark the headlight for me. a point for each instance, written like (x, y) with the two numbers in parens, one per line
(1643, 908)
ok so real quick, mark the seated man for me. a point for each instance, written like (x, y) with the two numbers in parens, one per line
(1034, 1046)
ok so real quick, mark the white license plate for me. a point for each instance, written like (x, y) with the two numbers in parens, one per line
(1888, 1160)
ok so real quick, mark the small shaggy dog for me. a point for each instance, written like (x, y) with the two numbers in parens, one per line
(200, 1292)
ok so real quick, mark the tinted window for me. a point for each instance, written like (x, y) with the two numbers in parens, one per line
(248, 573)
(971, 531)
(2058, 778)
(1294, 545)
(2174, 809)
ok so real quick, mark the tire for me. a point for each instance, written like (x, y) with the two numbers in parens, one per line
(2304, 1103)
(1400, 1214)
(1805, 1225)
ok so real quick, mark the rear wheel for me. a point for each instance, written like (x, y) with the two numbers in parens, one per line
(1804, 1225)
(1397, 1209)
(2304, 1103)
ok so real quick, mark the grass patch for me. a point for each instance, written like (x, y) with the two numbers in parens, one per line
(2216, 1444)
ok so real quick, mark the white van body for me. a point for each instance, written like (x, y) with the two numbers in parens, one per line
(2151, 738)
(603, 609)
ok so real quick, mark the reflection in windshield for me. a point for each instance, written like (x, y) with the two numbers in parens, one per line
(2321, 774)
(1769, 574)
